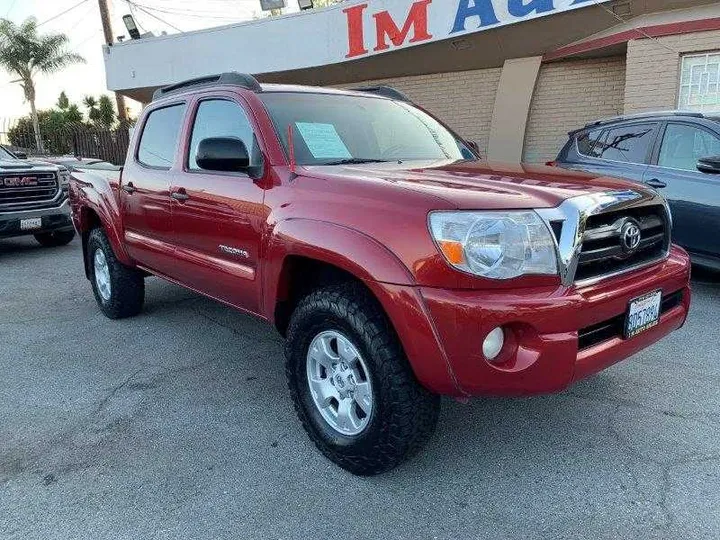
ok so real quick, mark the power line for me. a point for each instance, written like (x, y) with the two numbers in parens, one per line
(84, 41)
(133, 4)
(638, 30)
(136, 17)
(186, 13)
(12, 5)
(62, 13)
(82, 19)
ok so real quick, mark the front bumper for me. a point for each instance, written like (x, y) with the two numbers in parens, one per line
(542, 352)
(53, 219)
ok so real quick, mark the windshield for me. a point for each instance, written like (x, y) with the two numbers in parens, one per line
(333, 129)
(4, 154)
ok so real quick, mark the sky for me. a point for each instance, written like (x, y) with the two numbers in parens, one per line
(83, 27)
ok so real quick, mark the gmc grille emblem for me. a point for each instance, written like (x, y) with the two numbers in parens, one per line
(19, 181)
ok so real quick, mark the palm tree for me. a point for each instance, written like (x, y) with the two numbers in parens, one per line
(92, 106)
(25, 53)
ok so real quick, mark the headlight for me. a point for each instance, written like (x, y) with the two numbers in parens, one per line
(496, 245)
(64, 178)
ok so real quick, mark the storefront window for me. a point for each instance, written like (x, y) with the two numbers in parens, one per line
(700, 82)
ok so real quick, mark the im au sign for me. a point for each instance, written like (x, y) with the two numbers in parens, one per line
(375, 27)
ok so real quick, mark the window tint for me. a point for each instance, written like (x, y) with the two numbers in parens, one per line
(586, 142)
(683, 145)
(160, 136)
(221, 118)
(627, 143)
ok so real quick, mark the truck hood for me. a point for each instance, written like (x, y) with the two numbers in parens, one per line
(480, 185)
(25, 165)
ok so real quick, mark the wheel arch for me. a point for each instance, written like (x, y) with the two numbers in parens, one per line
(89, 218)
(303, 254)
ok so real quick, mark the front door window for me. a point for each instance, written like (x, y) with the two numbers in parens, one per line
(683, 145)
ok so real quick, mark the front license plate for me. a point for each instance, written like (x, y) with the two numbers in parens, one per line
(643, 313)
(30, 224)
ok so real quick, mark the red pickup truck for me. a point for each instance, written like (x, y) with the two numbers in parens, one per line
(398, 265)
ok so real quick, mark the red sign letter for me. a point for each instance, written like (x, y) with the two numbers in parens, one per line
(356, 36)
(416, 19)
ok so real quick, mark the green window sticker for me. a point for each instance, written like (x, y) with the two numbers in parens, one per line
(323, 140)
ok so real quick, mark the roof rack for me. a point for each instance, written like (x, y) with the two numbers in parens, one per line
(385, 91)
(644, 115)
(232, 78)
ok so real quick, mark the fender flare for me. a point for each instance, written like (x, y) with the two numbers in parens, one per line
(343, 247)
(385, 275)
(98, 196)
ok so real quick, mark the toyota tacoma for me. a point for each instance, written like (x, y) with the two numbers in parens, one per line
(398, 266)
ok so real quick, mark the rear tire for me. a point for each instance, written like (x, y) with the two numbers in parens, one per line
(401, 414)
(119, 290)
(55, 239)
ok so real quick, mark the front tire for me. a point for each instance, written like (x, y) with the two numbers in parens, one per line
(119, 290)
(55, 238)
(351, 384)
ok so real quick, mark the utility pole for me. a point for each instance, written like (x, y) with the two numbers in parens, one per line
(107, 31)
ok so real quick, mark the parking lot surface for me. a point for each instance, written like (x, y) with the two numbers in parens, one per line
(178, 424)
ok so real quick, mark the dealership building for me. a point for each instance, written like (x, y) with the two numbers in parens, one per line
(513, 75)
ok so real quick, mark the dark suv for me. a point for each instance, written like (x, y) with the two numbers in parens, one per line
(677, 153)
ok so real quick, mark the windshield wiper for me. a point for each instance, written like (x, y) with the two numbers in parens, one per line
(355, 161)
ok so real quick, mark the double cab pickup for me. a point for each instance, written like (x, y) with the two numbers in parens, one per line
(398, 266)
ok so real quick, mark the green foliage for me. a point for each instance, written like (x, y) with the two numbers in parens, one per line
(56, 126)
(106, 110)
(24, 53)
(63, 102)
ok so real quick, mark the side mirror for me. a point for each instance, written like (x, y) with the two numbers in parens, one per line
(21, 155)
(709, 165)
(222, 154)
(474, 146)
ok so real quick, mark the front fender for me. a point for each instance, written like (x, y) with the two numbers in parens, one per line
(94, 198)
(383, 273)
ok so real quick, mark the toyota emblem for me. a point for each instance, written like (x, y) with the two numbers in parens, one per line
(630, 235)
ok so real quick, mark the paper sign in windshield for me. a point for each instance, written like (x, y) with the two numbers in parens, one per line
(323, 140)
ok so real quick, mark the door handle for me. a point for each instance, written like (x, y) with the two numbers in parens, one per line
(129, 188)
(180, 195)
(654, 182)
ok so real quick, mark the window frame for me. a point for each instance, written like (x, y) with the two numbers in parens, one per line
(603, 129)
(661, 137)
(706, 55)
(187, 143)
(148, 114)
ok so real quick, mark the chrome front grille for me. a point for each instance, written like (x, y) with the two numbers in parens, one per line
(22, 190)
(608, 243)
(589, 231)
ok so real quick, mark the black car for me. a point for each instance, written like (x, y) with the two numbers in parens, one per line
(677, 153)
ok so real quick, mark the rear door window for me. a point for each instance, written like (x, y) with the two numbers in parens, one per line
(683, 145)
(159, 139)
(629, 144)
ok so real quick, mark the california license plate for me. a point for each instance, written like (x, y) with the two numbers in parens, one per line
(30, 224)
(643, 313)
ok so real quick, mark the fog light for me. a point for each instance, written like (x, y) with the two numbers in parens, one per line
(493, 343)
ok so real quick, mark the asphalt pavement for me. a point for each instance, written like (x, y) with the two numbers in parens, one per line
(177, 424)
